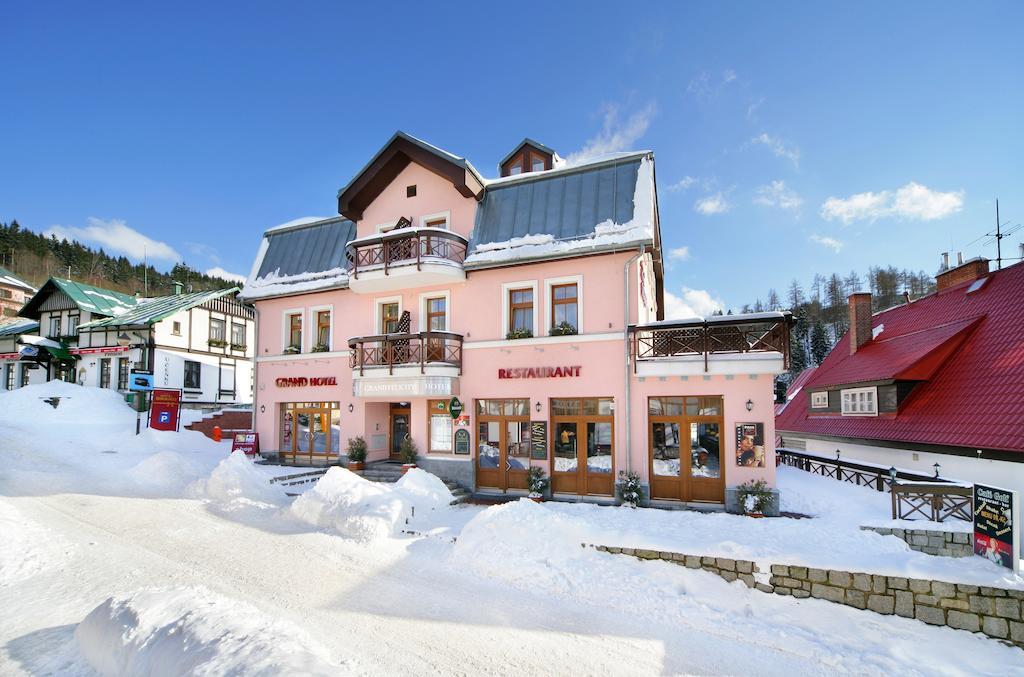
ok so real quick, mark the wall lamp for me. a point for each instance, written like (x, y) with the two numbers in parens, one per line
(351, 407)
(750, 405)
(936, 466)
(537, 406)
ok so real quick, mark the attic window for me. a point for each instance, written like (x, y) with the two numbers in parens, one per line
(819, 400)
(538, 164)
(410, 191)
(860, 402)
(515, 169)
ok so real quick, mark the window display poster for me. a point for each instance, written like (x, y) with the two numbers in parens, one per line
(750, 445)
(539, 440)
(996, 525)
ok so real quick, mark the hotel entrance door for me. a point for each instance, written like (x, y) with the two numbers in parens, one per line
(398, 429)
(503, 444)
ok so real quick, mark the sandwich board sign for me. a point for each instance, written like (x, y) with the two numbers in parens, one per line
(997, 525)
(165, 409)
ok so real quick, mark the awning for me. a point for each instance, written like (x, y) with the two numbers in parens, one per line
(33, 346)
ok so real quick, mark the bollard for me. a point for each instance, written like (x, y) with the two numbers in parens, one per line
(216, 433)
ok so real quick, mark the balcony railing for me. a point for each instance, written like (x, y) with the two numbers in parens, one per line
(404, 247)
(713, 336)
(425, 349)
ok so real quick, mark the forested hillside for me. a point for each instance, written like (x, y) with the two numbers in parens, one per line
(35, 257)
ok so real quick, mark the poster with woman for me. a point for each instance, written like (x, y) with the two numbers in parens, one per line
(750, 445)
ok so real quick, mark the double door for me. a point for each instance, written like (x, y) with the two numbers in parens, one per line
(503, 444)
(309, 432)
(583, 446)
(686, 448)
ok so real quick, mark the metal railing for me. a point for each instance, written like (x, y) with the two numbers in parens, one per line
(390, 350)
(390, 249)
(710, 338)
(860, 474)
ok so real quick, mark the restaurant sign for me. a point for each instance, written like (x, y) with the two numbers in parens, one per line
(996, 530)
(302, 381)
(539, 372)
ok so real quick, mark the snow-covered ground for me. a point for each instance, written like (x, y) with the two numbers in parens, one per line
(162, 555)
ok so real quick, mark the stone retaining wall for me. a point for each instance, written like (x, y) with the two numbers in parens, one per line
(995, 612)
(932, 542)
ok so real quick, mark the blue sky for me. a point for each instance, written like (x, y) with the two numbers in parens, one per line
(790, 138)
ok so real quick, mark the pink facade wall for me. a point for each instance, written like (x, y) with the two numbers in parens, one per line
(433, 195)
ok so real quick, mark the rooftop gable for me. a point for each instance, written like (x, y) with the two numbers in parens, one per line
(10, 279)
(87, 297)
(151, 311)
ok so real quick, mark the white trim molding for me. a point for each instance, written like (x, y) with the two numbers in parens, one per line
(506, 287)
(421, 319)
(285, 327)
(446, 215)
(550, 282)
(313, 325)
(378, 319)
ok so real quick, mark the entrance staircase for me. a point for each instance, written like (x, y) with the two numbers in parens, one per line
(389, 472)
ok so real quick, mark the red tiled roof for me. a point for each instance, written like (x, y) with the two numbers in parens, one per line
(966, 348)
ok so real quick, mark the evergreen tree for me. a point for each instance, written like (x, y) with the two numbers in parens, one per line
(820, 344)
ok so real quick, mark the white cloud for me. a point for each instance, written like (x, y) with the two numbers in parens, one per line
(691, 303)
(912, 201)
(615, 136)
(776, 146)
(679, 254)
(712, 204)
(753, 107)
(115, 236)
(830, 242)
(684, 183)
(704, 86)
(217, 271)
(776, 194)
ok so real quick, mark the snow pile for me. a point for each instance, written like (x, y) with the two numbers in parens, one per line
(237, 481)
(77, 406)
(28, 548)
(196, 632)
(273, 283)
(367, 511)
(515, 242)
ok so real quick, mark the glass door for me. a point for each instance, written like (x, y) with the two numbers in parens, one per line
(583, 446)
(503, 444)
(565, 473)
(517, 454)
(697, 474)
(665, 460)
(399, 430)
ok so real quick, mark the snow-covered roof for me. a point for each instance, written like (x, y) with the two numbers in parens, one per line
(10, 279)
(152, 310)
(17, 325)
(740, 318)
(300, 258)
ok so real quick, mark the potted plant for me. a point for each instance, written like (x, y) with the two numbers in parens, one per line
(563, 329)
(320, 348)
(629, 488)
(238, 346)
(754, 497)
(518, 334)
(408, 453)
(217, 343)
(356, 454)
(538, 483)
(292, 350)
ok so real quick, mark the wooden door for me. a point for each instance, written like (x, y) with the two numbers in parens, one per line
(503, 447)
(685, 448)
(398, 430)
(583, 446)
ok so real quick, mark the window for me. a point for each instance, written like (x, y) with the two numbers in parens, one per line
(6, 294)
(323, 329)
(410, 191)
(295, 332)
(520, 311)
(24, 375)
(176, 328)
(389, 316)
(123, 367)
(538, 164)
(192, 373)
(105, 372)
(72, 325)
(55, 325)
(440, 427)
(819, 400)
(860, 402)
(237, 335)
(437, 314)
(517, 168)
(564, 307)
(9, 376)
(217, 331)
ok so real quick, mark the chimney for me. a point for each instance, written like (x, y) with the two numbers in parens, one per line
(177, 287)
(967, 271)
(959, 258)
(860, 319)
(906, 297)
(945, 262)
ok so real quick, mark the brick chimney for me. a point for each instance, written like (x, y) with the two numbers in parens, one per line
(860, 319)
(963, 272)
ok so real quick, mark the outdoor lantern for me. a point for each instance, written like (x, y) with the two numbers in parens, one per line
(837, 454)
(537, 406)
(936, 466)
(750, 405)
(351, 407)
(892, 474)
(124, 339)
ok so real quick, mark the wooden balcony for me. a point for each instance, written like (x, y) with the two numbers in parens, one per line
(405, 257)
(712, 337)
(423, 350)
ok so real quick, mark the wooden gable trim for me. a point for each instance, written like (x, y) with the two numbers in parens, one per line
(390, 163)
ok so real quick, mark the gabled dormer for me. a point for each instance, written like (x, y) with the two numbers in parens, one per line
(528, 156)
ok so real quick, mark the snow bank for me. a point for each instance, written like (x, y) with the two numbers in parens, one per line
(78, 405)
(196, 632)
(237, 480)
(367, 511)
(28, 548)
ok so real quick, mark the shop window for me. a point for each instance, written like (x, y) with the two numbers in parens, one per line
(503, 407)
(860, 402)
(123, 367)
(176, 328)
(520, 311)
(295, 332)
(439, 428)
(689, 406)
(217, 332)
(564, 306)
(237, 334)
(105, 372)
(193, 370)
(819, 400)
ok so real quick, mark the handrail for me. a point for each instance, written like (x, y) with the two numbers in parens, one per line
(848, 471)
(403, 247)
(389, 350)
(703, 337)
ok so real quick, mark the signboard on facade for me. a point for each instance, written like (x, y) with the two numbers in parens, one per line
(414, 386)
(539, 372)
(303, 381)
(247, 442)
(165, 410)
(750, 445)
(455, 407)
(140, 381)
(997, 525)
(100, 351)
(539, 440)
(462, 441)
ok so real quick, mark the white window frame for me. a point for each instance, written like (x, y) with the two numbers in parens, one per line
(851, 406)
(378, 317)
(446, 215)
(506, 287)
(313, 310)
(550, 282)
(285, 314)
(819, 399)
(421, 320)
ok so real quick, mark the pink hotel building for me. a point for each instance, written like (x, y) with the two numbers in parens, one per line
(533, 303)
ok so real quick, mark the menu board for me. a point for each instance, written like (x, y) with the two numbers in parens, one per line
(996, 533)
(539, 440)
(462, 441)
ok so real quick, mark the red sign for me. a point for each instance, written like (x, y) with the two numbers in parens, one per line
(301, 381)
(165, 409)
(9, 356)
(99, 351)
(539, 372)
(247, 442)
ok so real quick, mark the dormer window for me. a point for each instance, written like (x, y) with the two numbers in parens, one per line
(819, 400)
(529, 156)
(517, 168)
(860, 402)
(538, 164)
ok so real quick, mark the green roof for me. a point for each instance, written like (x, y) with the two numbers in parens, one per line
(95, 299)
(150, 311)
(18, 326)
(7, 277)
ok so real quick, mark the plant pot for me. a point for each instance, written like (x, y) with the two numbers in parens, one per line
(406, 467)
(755, 515)
(536, 499)
(356, 466)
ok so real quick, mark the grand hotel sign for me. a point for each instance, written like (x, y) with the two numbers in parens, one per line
(406, 386)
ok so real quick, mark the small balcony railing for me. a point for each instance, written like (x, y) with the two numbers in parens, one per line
(425, 349)
(713, 336)
(404, 247)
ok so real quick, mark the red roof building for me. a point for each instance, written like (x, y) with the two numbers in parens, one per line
(942, 374)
